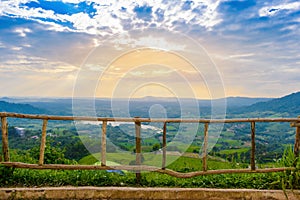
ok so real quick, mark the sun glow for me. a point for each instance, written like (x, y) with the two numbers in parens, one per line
(151, 72)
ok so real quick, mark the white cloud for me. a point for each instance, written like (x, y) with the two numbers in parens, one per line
(149, 41)
(35, 64)
(2, 45)
(272, 10)
(51, 26)
(13, 8)
(111, 19)
(241, 55)
(22, 31)
(26, 45)
(16, 48)
(159, 43)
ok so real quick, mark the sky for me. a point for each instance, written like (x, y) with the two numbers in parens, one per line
(115, 48)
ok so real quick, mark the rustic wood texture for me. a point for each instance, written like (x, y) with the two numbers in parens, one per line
(164, 146)
(82, 118)
(5, 148)
(252, 146)
(297, 142)
(205, 145)
(138, 168)
(43, 142)
(103, 144)
(295, 124)
(138, 150)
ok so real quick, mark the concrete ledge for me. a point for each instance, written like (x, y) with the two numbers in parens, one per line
(118, 193)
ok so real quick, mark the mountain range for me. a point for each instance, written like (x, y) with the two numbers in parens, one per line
(19, 108)
(288, 104)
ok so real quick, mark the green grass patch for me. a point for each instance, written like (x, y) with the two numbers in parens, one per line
(176, 163)
(58, 178)
(227, 134)
(10, 177)
(232, 143)
(233, 151)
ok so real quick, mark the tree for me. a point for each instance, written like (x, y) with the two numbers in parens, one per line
(156, 147)
(52, 155)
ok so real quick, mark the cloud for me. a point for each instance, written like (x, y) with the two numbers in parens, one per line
(23, 75)
(254, 43)
(2, 45)
(148, 41)
(23, 31)
(33, 65)
(275, 9)
(242, 55)
(16, 48)
(111, 17)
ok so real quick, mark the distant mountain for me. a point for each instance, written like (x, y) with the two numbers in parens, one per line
(234, 101)
(230, 101)
(19, 108)
(288, 104)
(245, 101)
(54, 106)
(139, 106)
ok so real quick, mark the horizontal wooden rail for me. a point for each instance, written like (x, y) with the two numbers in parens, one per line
(168, 120)
(138, 168)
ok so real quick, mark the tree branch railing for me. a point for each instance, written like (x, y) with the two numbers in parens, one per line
(294, 122)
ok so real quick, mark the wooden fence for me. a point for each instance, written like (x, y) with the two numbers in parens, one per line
(138, 167)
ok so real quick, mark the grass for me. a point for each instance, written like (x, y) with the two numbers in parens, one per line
(232, 142)
(228, 134)
(177, 163)
(57, 178)
(10, 177)
(232, 151)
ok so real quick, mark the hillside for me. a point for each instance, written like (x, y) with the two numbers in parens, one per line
(20, 108)
(138, 107)
(289, 104)
(244, 101)
(230, 101)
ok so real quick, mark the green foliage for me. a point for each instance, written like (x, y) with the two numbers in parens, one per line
(6, 175)
(290, 178)
(75, 150)
(17, 155)
(88, 160)
(40, 178)
(156, 147)
(30, 178)
(52, 155)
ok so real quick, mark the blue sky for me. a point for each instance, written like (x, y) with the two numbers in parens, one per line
(53, 48)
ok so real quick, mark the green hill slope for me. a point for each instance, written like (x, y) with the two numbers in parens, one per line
(19, 108)
(289, 104)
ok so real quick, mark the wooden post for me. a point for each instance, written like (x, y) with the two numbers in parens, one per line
(43, 142)
(138, 159)
(164, 146)
(5, 148)
(204, 159)
(103, 144)
(297, 141)
(252, 146)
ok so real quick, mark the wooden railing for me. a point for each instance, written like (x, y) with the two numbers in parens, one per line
(294, 122)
